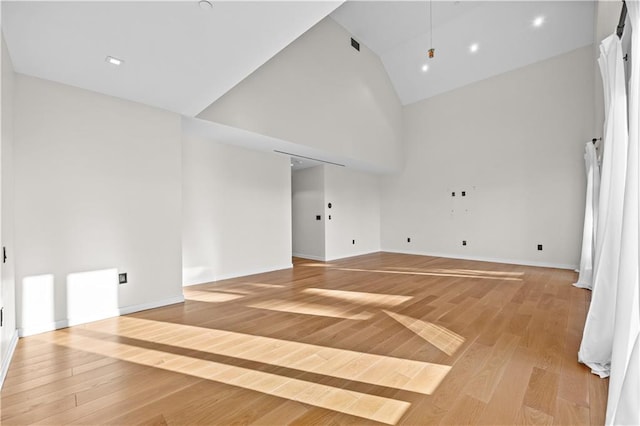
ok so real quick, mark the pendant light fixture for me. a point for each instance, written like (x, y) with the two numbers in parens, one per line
(431, 51)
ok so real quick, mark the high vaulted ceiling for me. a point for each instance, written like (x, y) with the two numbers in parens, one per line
(182, 58)
(176, 55)
(400, 33)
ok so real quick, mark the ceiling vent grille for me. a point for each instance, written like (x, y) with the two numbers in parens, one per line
(355, 44)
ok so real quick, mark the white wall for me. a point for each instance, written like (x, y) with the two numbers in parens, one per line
(351, 226)
(236, 211)
(8, 331)
(515, 143)
(307, 202)
(320, 92)
(97, 192)
(355, 212)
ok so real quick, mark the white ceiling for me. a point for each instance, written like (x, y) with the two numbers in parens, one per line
(398, 31)
(176, 56)
(301, 156)
(181, 58)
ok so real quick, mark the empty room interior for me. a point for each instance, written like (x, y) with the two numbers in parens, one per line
(320, 212)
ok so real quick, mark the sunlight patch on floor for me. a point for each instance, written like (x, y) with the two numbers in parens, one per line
(434, 274)
(260, 285)
(410, 375)
(308, 308)
(210, 296)
(376, 299)
(471, 272)
(440, 337)
(372, 407)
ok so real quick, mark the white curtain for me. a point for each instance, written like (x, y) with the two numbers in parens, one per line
(585, 278)
(623, 405)
(596, 346)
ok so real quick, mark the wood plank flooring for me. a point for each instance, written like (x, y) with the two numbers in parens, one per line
(376, 339)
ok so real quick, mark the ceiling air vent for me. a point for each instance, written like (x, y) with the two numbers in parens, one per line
(355, 44)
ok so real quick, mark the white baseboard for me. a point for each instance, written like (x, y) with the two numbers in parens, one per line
(489, 259)
(331, 259)
(30, 330)
(151, 305)
(68, 322)
(7, 359)
(243, 273)
(350, 255)
(309, 256)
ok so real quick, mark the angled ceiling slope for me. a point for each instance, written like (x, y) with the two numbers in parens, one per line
(321, 94)
(176, 55)
(399, 32)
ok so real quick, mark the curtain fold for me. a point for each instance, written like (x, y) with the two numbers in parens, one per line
(623, 406)
(596, 346)
(585, 277)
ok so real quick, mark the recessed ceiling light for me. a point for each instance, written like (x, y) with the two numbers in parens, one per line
(538, 21)
(114, 61)
(425, 68)
(474, 48)
(205, 5)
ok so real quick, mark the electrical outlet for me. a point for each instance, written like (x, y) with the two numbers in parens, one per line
(318, 217)
(539, 247)
(464, 193)
(453, 194)
(464, 242)
(122, 278)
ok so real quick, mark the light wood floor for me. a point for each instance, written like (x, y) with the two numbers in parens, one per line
(382, 338)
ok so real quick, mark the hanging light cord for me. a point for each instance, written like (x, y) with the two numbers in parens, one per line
(431, 23)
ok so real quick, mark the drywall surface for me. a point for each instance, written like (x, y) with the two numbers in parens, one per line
(97, 193)
(307, 203)
(8, 335)
(236, 211)
(514, 143)
(320, 92)
(354, 227)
